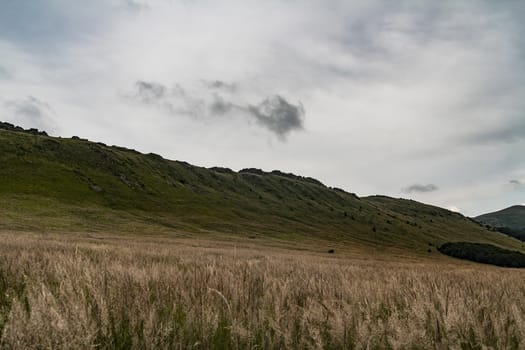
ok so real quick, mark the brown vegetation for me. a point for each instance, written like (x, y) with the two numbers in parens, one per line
(79, 292)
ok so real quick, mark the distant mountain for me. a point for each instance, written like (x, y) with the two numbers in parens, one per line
(510, 221)
(50, 184)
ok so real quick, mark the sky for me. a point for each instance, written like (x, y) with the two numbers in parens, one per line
(415, 99)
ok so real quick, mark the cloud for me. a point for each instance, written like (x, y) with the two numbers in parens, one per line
(420, 188)
(278, 115)
(221, 85)
(374, 76)
(509, 132)
(274, 113)
(30, 112)
(47, 26)
(136, 6)
(174, 100)
(149, 92)
(220, 106)
(453, 208)
(517, 184)
(4, 73)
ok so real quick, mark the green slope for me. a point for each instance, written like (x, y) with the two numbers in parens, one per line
(510, 221)
(57, 184)
(513, 217)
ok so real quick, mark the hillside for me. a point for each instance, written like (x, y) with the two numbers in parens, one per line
(513, 217)
(71, 184)
(510, 221)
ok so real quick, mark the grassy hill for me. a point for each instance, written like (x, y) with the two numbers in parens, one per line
(62, 184)
(513, 217)
(510, 221)
(103, 247)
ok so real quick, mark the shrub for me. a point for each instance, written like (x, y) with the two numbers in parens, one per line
(483, 253)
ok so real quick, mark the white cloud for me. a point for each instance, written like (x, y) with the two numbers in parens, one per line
(394, 93)
(454, 209)
(29, 112)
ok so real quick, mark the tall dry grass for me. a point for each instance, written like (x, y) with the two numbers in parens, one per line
(120, 293)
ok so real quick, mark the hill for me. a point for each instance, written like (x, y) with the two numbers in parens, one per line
(72, 184)
(510, 221)
(513, 217)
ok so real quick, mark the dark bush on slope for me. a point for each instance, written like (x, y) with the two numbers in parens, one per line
(483, 253)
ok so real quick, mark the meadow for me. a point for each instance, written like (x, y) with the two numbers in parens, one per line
(85, 291)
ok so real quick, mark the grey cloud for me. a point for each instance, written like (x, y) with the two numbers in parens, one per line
(173, 100)
(512, 131)
(220, 106)
(135, 6)
(221, 85)
(453, 67)
(420, 188)
(509, 133)
(149, 92)
(44, 26)
(274, 113)
(21, 21)
(278, 115)
(30, 113)
(4, 73)
(516, 182)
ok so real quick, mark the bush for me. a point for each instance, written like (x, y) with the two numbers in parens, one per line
(483, 253)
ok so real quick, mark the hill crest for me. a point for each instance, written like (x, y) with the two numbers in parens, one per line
(52, 183)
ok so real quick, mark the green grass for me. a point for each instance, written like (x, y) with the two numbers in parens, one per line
(65, 185)
(106, 248)
(513, 218)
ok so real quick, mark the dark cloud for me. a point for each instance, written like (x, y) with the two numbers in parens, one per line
(30, 113)
(516, 183)
(274, 113)
(278, 115)
(420, 188)
(220, 106)
(174, 100)
(149, 92)
(221, 85)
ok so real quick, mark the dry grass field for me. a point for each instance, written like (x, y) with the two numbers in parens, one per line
(80, 292)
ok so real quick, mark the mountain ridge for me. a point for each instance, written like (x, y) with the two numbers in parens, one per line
(513, 217)
(72, 184)
(510, 221)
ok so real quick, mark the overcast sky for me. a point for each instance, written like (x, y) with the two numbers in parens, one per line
(413, 99)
